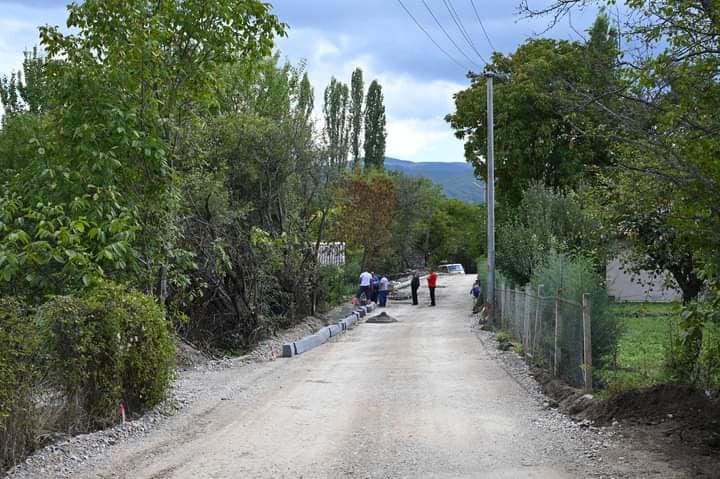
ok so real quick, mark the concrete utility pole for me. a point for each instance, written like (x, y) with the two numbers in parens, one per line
(490, 194)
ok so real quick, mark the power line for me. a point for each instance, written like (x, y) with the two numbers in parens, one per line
(464, 67)
(487, 37)
(448, 35)
(463, 32)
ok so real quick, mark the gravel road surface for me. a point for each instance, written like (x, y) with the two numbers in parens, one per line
(424, 397)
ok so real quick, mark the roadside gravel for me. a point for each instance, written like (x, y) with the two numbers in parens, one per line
(610, 450)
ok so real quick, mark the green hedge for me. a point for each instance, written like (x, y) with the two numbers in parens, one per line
(18, 375)
(109, 346)
(574, 276)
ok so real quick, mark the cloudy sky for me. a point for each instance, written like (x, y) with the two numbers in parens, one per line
(335, 36)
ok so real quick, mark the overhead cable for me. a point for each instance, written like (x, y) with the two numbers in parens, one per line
(487, 37)
(464, 67)
(432, 14)
(461, 27)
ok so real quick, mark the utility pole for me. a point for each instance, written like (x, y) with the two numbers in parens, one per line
(489, 76)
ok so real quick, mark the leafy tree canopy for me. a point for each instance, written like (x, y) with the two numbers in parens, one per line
(536, 134)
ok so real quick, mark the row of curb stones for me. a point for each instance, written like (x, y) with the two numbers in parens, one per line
(314, 340)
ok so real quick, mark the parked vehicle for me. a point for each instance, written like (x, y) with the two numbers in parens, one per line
(454, 268)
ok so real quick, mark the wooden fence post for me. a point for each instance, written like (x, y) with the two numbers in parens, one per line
(587, 342)
(538, 320)
(526, 319)
(515, 327)
(500, 312)
(556, 355)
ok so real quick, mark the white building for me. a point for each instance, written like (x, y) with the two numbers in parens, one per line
(624, 285)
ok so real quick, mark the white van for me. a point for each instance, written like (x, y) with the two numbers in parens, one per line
(454, 268)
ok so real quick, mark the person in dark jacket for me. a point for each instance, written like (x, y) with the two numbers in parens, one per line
(374, 288)
(414, 286)
(475, 291)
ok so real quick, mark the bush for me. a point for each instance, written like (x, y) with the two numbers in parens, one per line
(573, 276)
(503, 336)
(693, 356)
(708, 367)
(338, 283)
(110, 345)
(545, 221)
(18, 375)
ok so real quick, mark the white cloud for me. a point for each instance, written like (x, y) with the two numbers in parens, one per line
(19, 32)
(415, 107)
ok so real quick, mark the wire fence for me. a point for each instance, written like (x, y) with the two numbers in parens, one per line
(554, 332)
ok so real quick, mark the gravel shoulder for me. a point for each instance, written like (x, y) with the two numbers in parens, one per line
(428, 396)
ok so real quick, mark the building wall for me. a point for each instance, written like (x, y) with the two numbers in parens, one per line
(623, 285)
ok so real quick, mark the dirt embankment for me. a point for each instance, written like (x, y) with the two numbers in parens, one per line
(677, 421)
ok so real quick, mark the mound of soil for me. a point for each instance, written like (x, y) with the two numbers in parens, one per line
(658, 403)
(382, 318)
(189, 357)
(677, 421)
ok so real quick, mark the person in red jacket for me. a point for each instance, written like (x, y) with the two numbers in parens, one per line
(432, 283)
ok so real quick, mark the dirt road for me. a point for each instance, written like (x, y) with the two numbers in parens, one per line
(423, 397)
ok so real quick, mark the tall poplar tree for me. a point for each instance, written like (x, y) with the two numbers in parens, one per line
(337, 122)
(357, 94)
(375, 132)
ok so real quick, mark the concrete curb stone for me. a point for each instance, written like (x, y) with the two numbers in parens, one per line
(314, 340)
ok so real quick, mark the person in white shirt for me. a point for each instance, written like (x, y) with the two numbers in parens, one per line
(365, 279)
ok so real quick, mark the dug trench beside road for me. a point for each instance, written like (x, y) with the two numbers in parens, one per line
(421, 397)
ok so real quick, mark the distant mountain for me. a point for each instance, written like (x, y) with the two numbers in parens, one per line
(456, 179)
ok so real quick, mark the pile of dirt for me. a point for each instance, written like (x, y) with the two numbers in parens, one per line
(187, 356)
(682, 410)
(382, 318)
(676, 421)
(657, 403)
(679, 422)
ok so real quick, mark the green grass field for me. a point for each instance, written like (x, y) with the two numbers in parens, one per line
(642, 350)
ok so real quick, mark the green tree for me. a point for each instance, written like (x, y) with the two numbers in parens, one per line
(667, 132)
(457, 233)
(357, 95)
(26, 90)
(256, 204)
(545, 222)
(418, 199)
(375, 131)
(151, 72)
(642, 215)
(337, 122)
(305, 99)
(540, 135)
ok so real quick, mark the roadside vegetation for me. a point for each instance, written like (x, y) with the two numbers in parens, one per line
(601, 152)
(641, 354)
(162, 173)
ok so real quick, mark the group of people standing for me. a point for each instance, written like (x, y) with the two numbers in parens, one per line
(415, 285)
(374, 288)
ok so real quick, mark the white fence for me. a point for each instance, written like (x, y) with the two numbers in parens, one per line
(332, 253)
